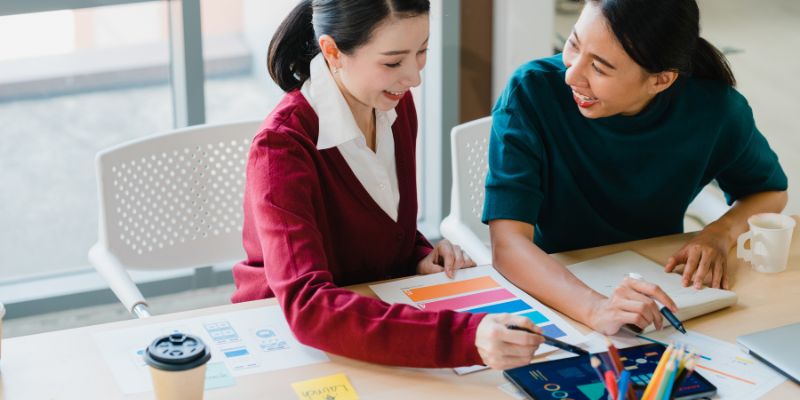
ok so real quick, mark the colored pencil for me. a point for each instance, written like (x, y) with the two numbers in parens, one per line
(611, 384)
(623, 383)
(654, 380)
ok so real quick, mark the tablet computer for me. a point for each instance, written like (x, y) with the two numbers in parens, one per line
(574, 377)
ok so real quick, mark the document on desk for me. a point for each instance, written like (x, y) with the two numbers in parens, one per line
(604, 274)
(736, 374)
(478, 289)
(241, 343)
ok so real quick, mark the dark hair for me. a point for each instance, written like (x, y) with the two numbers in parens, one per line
(349, 22)
(665, 36)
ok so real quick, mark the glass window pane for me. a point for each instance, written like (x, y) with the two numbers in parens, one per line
(236, 34)
(92, 79)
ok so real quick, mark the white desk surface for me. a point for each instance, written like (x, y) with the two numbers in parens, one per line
(67, 364)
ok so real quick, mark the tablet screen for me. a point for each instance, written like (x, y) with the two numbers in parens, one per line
(574, 377)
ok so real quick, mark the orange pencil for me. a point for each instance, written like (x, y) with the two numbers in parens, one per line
(613, 354)
(654, 380)
(611, 384)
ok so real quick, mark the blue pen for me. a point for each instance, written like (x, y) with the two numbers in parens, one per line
(671, 318)
(623, 383)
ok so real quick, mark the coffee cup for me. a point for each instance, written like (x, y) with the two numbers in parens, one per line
(2, 314)
(178, 366)
(770, 238)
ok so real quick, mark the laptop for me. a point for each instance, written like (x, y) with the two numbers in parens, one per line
(777, 347)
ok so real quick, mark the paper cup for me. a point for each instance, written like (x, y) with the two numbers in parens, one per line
(178, 366)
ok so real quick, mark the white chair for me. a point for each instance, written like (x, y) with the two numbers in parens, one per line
(170, 201)
(469, 146)
(706, 208)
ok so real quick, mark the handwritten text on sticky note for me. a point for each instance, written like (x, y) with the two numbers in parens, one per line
(333, 387)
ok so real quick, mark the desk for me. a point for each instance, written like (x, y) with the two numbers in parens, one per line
(67, 365)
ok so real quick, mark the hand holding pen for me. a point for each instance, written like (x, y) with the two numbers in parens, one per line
(629, 305)
(552, 341)
(666, 312)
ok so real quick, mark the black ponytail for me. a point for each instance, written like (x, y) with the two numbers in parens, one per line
(292, 48)
(349, 22)
(665, 36)
(709, 63)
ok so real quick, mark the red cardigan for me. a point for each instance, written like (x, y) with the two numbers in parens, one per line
(310, 227)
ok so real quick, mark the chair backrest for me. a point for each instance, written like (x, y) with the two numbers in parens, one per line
(470, 146)
(175, 200)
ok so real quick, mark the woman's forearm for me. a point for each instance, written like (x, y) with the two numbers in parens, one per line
(531, 269)
(734, 222)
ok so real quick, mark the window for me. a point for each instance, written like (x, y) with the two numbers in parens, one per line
(72, 82)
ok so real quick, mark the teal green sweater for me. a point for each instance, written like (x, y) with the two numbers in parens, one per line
(590, 182)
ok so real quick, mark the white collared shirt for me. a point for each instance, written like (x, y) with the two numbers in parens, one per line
(377, 170)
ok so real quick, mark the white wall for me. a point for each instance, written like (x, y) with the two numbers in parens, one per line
(523, 31)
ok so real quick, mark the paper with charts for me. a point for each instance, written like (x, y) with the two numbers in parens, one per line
(736, 374)
(477, 290)
(241, 342)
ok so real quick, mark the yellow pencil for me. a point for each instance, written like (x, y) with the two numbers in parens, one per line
(652, 386)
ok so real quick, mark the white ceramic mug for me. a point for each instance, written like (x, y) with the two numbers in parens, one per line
(770, 237)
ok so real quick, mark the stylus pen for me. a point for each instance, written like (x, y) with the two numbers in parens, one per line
(671, 318)
(552, 341)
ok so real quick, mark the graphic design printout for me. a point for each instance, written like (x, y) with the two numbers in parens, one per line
(242, 342)
(477, 290)
(736, 374)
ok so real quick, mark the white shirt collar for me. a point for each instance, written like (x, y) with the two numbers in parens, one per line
(336, 122)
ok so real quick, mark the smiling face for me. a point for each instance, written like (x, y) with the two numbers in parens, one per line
(604, 79)
(377, 74)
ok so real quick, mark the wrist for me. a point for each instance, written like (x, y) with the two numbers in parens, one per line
(596, 305)
(722, 232)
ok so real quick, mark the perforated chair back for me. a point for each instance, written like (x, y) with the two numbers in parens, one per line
(172, 200)
(469, 150)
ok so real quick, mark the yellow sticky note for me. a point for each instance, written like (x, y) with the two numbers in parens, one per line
(333, 387)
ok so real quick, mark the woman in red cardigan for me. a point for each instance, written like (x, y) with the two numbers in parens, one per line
(331, 200)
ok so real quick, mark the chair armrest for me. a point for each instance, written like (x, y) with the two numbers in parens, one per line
(117, 278)
(460, 234)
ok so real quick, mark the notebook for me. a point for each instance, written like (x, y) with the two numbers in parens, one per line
(776, 347)
(604, 274)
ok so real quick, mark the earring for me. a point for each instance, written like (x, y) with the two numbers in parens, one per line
(335, 70)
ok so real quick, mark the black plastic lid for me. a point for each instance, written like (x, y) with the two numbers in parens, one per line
(176, 352)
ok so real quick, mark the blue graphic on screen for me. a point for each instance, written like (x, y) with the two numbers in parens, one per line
(574, 377)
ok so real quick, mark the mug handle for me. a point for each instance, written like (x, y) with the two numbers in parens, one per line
(741, 252)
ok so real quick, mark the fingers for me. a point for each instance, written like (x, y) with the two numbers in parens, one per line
(451, 257)
(626, 300)
(704, 267)
(653, 291)
(676, 259)
(468, 261)
(692, 259)
(718, 272)
(503, 348)
(725, 282)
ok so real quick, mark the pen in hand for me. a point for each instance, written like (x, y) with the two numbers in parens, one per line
(552, 341)
(671, 318)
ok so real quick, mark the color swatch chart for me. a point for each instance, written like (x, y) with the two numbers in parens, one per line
(475, 290)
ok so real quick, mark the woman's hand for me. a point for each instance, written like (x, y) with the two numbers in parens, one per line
(445, 257)
(502, 348)
(704, 259)
(630, 303)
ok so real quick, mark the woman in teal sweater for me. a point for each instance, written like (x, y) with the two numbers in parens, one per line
(610, 142)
